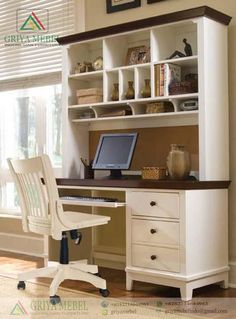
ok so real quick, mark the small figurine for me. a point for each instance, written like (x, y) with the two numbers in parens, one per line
(84, 67)
(178, 54)
(187, 49)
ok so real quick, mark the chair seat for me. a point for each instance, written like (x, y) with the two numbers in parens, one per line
(76, 220)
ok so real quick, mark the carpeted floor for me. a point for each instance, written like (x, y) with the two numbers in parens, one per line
(33, 302)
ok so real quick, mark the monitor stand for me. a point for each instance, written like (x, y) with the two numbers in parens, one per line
(117, 175)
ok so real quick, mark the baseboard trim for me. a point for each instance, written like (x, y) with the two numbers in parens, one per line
(22, 244)
(109, 260)
(23, 253)
(232, 274)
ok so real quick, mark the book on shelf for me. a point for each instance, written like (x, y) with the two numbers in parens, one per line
(166, 74)
(162, 72)
(172, 74)
(157, 79)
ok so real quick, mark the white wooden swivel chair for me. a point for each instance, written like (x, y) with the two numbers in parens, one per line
(42, 213)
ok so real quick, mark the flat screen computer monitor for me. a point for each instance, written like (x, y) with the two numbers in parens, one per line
(115, 152)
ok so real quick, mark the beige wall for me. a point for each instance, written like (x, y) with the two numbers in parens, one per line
(96, 17)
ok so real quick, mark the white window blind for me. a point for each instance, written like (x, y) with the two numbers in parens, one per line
(20, 60)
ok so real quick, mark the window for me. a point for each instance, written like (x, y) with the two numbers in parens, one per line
(30, 93)
(30, 124)
(20, 53)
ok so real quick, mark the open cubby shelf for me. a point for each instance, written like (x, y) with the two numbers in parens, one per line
(160, 43)
(185, 114)
(137, 109)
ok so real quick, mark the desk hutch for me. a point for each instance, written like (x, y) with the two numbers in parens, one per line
(176, 232)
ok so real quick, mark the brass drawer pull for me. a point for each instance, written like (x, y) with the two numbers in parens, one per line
(153, 257)
(153, 231)
(152, 203)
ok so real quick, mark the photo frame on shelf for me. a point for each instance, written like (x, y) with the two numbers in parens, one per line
(153, 1)
(119, 5)
(137, 55)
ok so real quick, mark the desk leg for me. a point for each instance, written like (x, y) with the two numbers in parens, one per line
(225, 283)
(129, 282)
(186, 292)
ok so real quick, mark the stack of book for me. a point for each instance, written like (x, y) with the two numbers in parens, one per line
(165, 75)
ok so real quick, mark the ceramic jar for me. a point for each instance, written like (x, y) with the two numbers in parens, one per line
(146, 91)
(115, 92)
(178, 162)
(130, 91)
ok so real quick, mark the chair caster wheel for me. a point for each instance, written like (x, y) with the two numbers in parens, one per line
(21, 285)
(55, 299)
(104, 292)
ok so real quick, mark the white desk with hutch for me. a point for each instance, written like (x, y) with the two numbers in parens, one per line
(172, 233)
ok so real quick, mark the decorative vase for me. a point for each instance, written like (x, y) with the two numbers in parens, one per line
(130, 91)
(146, 91)
(178, 162)
(115, 92)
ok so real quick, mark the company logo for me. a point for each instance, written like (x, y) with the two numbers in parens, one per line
(104, 310)
(104, 304)
(35, 21)
(18, 309)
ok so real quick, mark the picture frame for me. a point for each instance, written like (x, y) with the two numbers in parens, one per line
(153, 1)
(119, 5)
(138, 55)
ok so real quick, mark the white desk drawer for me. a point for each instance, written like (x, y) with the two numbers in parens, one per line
(155, 258)
(154, 204)
(155, 232)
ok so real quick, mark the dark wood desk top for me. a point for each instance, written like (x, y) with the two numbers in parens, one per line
(141, 183)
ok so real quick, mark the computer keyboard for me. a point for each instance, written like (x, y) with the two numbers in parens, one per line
(88, 198)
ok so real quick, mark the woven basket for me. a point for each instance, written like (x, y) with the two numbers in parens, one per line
(154, 172)
(159, 107)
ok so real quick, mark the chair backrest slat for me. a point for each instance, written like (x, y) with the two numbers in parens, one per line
(43, 203)
(32, 195)
(25, 192)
